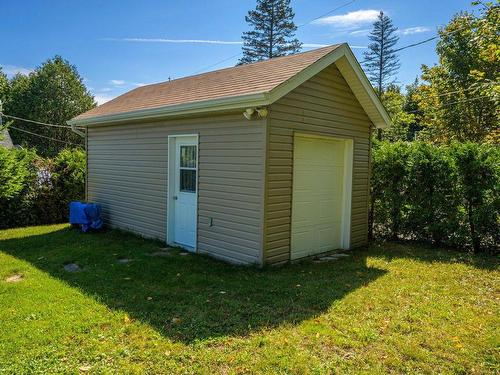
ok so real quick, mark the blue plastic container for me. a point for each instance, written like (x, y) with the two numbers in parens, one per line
(88, 215)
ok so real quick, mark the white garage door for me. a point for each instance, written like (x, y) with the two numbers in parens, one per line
(319, 199)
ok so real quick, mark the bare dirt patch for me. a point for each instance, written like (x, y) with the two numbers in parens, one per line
(15, 278)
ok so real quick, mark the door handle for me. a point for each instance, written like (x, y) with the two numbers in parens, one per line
(175, 197)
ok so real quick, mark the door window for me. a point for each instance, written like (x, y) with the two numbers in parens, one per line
(188, 168)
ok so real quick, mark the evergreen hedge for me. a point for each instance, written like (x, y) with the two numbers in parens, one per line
(447, 195)
(36, 190)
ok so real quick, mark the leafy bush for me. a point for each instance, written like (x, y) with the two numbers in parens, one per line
(445, 195)
(478, 184)
(432, 200)
(389, 186)
(13, 172)
(37, 190)
(68, 179)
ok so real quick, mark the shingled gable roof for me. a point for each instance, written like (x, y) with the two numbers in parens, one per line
(251, 85)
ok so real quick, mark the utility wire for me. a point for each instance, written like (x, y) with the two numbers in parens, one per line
(217, 63)
(43, 136)
(421, 42)
(327, 13)
(299, 26)
(34, 122)
(472, 87)
(453, 103)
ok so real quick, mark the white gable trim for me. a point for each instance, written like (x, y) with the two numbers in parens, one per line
(342, 56)
(355, 77)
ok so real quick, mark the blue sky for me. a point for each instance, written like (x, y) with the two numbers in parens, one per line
(119, 45)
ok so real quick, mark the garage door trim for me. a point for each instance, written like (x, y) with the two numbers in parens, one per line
(345, 232)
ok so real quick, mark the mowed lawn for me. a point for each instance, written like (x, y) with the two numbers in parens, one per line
(390, 308)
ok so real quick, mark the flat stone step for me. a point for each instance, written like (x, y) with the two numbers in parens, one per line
(72, 267)
(124, 260)
(15, 278)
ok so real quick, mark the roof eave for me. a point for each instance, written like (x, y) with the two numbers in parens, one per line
(342, 56)
(200, 107)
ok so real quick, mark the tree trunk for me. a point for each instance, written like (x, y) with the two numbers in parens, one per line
(271, 33)
(371, 216)
(476, 243)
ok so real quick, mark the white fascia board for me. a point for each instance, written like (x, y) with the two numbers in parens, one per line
(306, 74)
(383, 119)
(362, 87)
(204, 106)
(359, 83)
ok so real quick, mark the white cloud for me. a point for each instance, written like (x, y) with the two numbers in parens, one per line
(351, 19)
(163, 40)
(117, 82)
(103, 98)
(314, 45)
(105, 89)
(415, 30)
(12, 70)
(363, 32)
(317, 45)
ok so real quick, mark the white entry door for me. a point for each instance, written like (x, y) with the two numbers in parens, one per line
(183, 175)
(321, 196)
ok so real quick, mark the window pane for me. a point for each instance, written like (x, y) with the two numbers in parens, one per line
(188, 156)
(188, 180)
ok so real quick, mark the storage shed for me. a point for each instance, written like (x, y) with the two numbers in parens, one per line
(255, 164)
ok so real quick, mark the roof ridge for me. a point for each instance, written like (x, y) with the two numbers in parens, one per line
(333, 46)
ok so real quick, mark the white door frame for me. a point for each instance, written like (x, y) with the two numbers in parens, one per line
(345, 233)
(172, 165)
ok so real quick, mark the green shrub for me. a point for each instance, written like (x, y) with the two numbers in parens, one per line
(69, 179)
(442, 194)
(432, 201)
(389, 185)
(478, 184)
(13, 172)
(38, 190)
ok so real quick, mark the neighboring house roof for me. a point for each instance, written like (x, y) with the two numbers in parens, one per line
(251, 85)
(5, 140)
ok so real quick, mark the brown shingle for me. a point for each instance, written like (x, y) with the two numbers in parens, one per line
(253, 78)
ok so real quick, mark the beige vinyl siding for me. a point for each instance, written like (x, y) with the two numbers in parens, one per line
(324, 105)
(127, 174)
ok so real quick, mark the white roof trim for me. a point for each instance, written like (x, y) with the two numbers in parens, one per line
(342, 56)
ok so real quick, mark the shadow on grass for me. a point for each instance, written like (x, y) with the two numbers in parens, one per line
(189, 298)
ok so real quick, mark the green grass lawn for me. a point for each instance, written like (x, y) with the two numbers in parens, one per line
(390, 308)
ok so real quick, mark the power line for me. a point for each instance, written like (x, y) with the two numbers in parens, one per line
(421, 42)
(34, 122)
(327, 13)
(453, 103)
(299, 26)
(43, 136)
(217, 63)
(471, 87)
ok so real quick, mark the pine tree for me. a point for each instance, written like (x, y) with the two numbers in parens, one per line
(273, 33)
(382, 63)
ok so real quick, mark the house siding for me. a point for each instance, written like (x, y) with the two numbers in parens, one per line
(323, 105)
(127, 174)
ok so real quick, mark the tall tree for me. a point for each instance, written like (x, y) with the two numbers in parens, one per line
(395, 102)
(382, 62)
(272, 34)
(460, 97)
(4, 86)
(53, 93)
